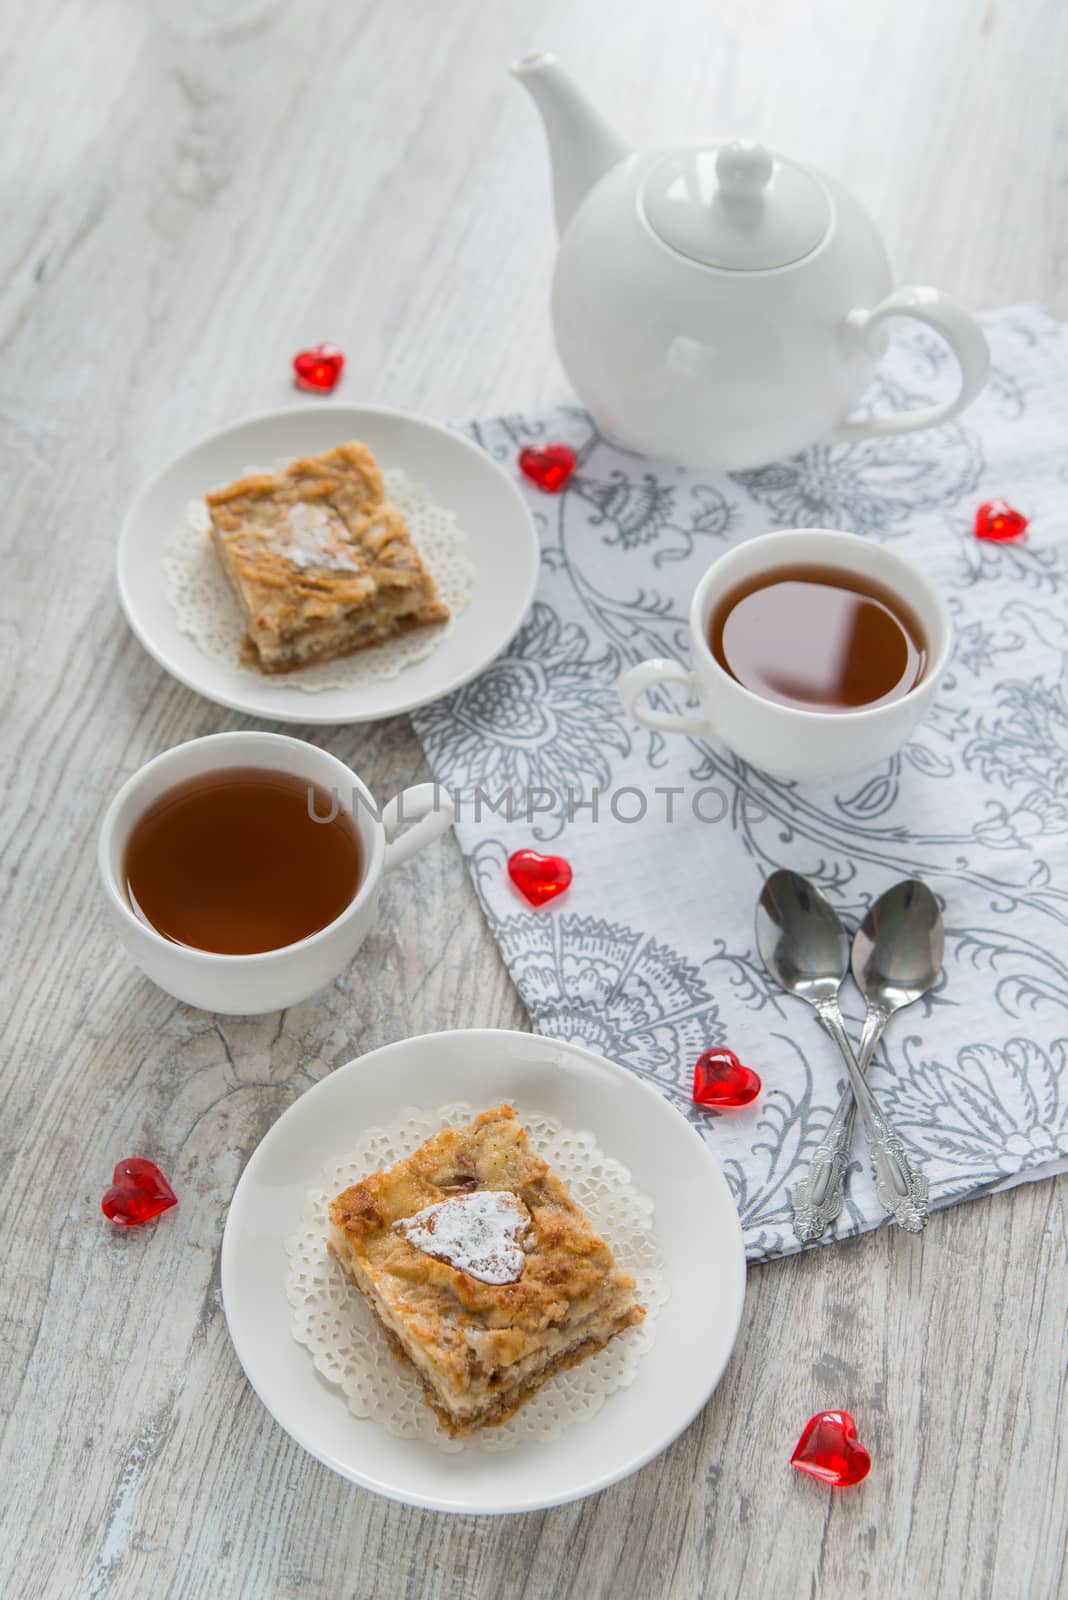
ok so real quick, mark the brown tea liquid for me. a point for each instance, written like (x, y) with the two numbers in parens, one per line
(232, 862)
(818, 638)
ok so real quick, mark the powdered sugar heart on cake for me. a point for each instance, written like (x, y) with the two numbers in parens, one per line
(475, 1233)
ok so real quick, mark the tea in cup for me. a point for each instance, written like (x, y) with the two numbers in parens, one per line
(814, 654)
(242, 871)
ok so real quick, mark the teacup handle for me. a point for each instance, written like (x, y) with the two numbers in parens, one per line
(646, 675)
(960, 331)
(429, 810)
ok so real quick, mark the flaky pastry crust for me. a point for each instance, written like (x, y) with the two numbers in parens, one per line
(320, 559)
(481, 1349)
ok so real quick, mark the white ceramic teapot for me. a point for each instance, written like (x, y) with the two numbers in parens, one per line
(718, 303)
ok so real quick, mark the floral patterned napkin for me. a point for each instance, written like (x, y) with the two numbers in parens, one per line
(650, 957)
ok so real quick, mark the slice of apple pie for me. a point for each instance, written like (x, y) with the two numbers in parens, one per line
(481, 1269)
(320, 560)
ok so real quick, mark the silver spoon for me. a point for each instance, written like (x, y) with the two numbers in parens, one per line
(897, 958)
(806, 949)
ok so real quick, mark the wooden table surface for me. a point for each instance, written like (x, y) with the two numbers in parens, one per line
(194, 189)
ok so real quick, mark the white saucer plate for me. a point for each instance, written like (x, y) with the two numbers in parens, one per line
(695, 1221)
(502, 540)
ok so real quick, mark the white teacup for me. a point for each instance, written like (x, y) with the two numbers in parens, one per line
(271, 979)
(785, 741)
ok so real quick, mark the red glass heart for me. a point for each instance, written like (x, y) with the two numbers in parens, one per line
(720, 1080)
(319, 369)
(538, 878)
(829, 1450)
(550, 467)
(997, 522)
(138, 1192)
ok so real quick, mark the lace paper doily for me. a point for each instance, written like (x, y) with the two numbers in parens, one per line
(333, 1320)
(208, 613)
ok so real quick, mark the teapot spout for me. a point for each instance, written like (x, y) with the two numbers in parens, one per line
(582, 146)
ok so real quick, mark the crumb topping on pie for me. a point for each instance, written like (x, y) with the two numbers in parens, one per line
(475, 1233)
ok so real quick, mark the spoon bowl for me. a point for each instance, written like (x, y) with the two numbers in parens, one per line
(800, 938)
(898, 948)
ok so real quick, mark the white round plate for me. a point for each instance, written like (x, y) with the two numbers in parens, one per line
(502, 541)
(695, 1221)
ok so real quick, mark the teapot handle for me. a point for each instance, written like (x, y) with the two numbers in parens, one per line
(960, 331)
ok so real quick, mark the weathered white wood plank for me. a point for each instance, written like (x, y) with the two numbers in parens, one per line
(195, 188)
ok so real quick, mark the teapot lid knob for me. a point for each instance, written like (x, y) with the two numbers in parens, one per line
(743, 168)
(735, 205)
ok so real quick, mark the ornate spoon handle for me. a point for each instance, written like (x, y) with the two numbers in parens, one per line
(819, 1197)
(901, 1187)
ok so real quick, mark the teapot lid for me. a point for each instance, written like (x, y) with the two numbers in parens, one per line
(736, 205)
